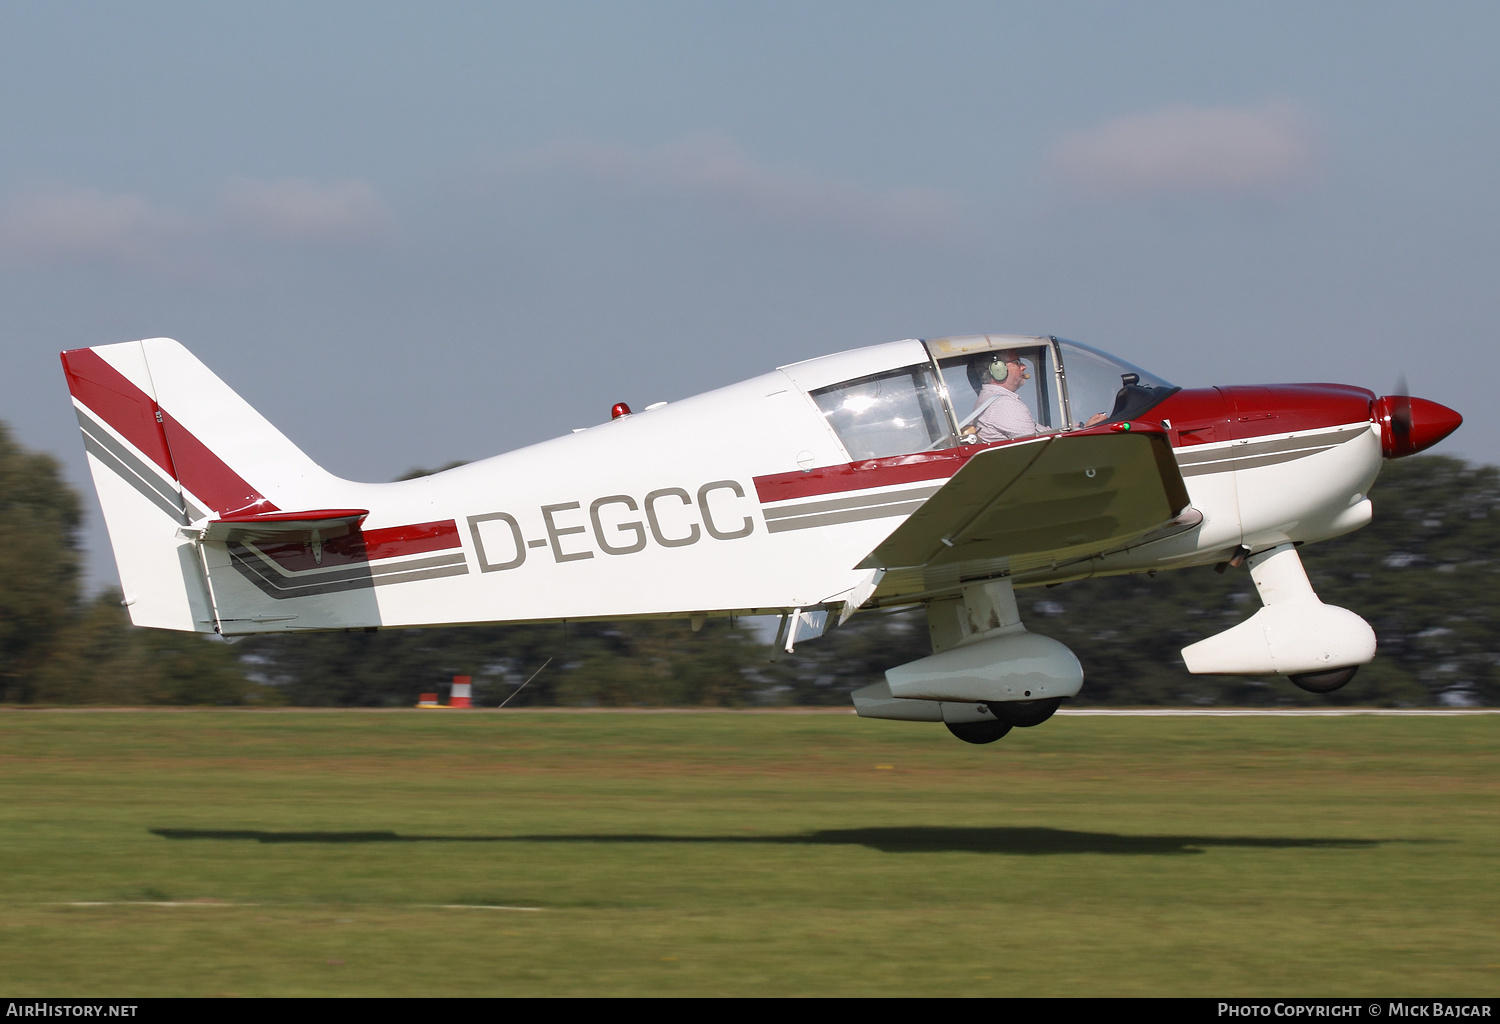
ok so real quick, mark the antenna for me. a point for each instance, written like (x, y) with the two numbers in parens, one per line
(518, 689)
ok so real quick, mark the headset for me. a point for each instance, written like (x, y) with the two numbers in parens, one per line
(984, 369)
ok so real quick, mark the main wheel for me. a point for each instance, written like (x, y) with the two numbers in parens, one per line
(1023, 714)
(1324, 682)
(978, 732)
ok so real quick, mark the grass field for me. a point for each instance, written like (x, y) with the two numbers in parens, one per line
(369, 853)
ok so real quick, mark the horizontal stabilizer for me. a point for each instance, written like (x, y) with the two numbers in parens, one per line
(1070, 494)
(327, 522)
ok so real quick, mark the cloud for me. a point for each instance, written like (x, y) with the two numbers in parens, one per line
(1189, 149)
(716, 171)
(299, 210)
(61, 223)
(55, 223)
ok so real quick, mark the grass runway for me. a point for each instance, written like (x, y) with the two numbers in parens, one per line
(371, 853)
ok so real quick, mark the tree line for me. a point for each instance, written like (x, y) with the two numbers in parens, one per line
(1423, 574)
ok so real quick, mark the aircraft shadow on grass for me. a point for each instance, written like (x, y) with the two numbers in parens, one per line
(913, 839)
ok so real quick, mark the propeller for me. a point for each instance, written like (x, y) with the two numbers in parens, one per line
(1409, 425)
(1401, 418)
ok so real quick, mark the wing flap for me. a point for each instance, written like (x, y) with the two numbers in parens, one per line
(1069, 494)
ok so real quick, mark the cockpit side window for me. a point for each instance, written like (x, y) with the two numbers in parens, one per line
(983, 413)
(892, 413)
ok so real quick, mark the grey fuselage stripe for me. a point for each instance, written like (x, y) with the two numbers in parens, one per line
(850, 516)
(1207, 468)
(1326, 439)
(322, 584)
(1258, 454)
(363, 570)
(863, 501)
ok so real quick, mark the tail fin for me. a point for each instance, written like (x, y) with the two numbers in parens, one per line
(170, 445)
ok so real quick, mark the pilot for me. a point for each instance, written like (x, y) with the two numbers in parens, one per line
(1003, 414)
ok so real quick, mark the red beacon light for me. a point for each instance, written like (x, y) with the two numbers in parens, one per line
(620, 409)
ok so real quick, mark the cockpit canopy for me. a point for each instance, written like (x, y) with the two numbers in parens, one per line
(974, 389)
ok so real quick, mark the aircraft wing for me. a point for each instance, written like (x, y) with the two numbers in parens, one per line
(1050, 500)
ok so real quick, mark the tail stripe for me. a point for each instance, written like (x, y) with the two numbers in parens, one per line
(149, 483)
(208, 477)
(135, 416)
(115, 400)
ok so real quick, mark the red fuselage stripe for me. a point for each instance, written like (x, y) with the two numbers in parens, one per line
(856, 476)
(411, 540)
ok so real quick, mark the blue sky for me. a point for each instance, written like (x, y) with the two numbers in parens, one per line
(416, 233)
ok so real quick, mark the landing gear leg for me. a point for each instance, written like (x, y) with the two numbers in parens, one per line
(1317, 646)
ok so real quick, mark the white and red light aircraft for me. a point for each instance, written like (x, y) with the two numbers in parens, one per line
(856, 480)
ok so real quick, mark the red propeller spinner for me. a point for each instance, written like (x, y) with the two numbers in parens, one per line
(1409, 425)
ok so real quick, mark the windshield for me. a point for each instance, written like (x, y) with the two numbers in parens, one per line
(1102, 388)
(893, 413)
